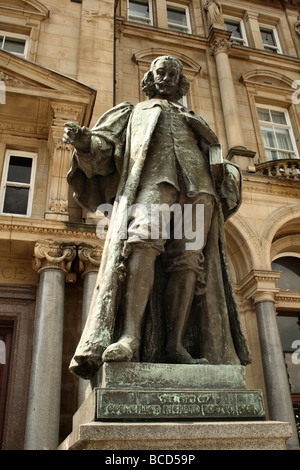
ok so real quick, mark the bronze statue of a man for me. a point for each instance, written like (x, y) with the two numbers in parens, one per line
(157, 298)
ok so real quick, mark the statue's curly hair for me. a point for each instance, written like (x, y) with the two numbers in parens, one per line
(148, 86)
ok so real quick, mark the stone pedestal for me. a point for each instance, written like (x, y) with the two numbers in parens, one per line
(139, 406)
(264, 435)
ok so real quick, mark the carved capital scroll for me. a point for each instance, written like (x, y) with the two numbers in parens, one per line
(220, 45)
(89, 258)
(50, 254)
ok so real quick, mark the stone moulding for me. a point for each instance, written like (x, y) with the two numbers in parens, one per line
(49, 231)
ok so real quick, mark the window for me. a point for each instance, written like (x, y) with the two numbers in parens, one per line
(277, 134)
(270, 39)
(140, 11)
(15, 43)
(290, 273)
(17, 183)
(237, 29)
(178, 18)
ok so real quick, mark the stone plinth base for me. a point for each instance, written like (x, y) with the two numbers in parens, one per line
(245, 435)
(141, 375)
(141, 406)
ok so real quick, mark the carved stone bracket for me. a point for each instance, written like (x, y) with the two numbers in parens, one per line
(54, 255)
(61, 154)
(89, 258)
(61, 114)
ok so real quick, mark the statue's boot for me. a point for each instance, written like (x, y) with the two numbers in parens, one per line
(179, 298)
(140, 278)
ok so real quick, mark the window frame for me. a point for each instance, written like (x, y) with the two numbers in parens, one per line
(13, 35)
(184, 29)
(30, 186)
(271, 124)
(240, 22)
(139, 19)
(272, 29)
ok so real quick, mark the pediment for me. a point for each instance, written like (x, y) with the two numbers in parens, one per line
(17, 72)
(267, 78)
(33, 95)
(146, 56)
(33, 7)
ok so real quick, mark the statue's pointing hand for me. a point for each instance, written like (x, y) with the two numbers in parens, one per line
(79, 137)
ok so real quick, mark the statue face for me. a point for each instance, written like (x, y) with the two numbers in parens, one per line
(166, 75)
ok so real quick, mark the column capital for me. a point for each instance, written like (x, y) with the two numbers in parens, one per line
(50, 254)
(89, 258)
(259, 286)
(219, 41)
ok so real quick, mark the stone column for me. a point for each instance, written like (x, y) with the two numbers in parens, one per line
(219, 47)
(260, 287)
(275, 373)
(89, 262)
(52, 260)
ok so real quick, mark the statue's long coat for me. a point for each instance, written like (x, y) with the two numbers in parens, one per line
(123, 134)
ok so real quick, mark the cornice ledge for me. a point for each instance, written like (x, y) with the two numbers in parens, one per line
(259, 285)
(287, 296)
(255, 182)
(59, 231)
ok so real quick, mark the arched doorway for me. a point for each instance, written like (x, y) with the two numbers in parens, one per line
(288, 320)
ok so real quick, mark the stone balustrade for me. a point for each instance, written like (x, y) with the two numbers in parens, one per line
(287, 168)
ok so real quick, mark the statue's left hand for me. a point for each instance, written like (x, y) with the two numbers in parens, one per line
(79, 137)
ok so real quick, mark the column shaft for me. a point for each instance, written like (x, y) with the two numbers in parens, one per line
(229, 104)
(88, 289)
(52, 260)
(220, 44)
(275, 374)
(90, 258)
(45, 386)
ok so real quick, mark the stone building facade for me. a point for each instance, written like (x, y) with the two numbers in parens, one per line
(72, 60)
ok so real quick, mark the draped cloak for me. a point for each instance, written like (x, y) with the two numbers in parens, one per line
(110, 173)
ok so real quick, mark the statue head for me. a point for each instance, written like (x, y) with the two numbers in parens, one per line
(165, 79)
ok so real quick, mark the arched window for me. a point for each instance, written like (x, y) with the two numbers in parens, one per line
(290, 276)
